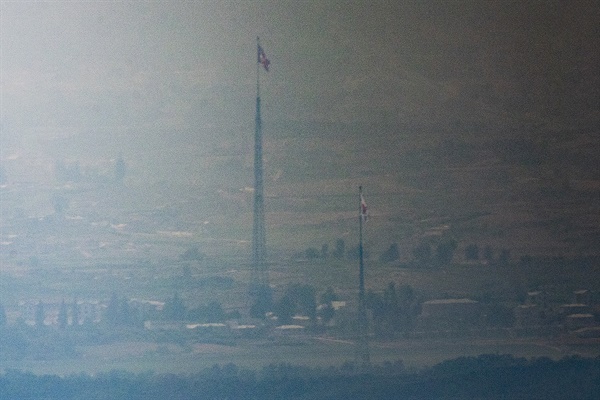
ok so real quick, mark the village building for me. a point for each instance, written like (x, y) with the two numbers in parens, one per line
(449, 314)
(570, 309)
(582, 296)
(578, 321)
(528, 315)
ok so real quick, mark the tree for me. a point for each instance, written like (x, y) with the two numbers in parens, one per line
(445, 251)
(340, 249)
(304, 298)
(328, 296)
(324, 250)
(263, 301)
(67, 172)
(393, 312)
(75, 313)
(120, 169)
(39, 315)
(422, 252)
(409, 308)
(3, 319)
(125, 312)
(311, 253)
(285, 309)
(62, 315)
(174, 308)
(374, 302)
(472, 252)
(488, 254)
(192, 254)
(504, 257)
(60, 204)
(112, 310)
(212, 312)
(391, 254)
(2, 176)
(326, 311)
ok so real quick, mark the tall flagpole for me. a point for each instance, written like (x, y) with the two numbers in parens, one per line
(258, 229)
(362, 342)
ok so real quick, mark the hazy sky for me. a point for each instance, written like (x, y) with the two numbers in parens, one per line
(71, 66)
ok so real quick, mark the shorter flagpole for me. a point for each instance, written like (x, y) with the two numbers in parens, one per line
(361, 287)
(363, 343)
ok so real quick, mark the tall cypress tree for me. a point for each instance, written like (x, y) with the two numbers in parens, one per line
(62, 315)
(75, 313)
(3, 319)
(39, 315)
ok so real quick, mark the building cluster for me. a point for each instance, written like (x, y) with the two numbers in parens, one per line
(539, 314)
(581, 316)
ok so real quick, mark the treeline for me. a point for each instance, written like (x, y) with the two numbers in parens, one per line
(429, 252)
(483, 377)
(121, 320)
(74, 172)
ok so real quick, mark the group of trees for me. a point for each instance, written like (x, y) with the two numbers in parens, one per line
(73, 172)
(3, 319)
(121, 319)
(120, 312)
(429, 252)
(423, 253)
(19, 340)
(485, 376)
(67, 315)
(439, 254)
(394, 311)
(175, 310)
(473, 253)
(339, 252)
(296, 299)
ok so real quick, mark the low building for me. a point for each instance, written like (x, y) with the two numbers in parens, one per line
(248, 329)
(160, 325)
(289, 330)
(301, 320)
(450, 314)
(583, 296)
(538, 298)
(88, 310)
(212, 328)
(574, 322)
(570, 309)
(527, 315)
(588, 333)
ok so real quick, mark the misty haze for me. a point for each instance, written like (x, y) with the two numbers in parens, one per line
(277, 199)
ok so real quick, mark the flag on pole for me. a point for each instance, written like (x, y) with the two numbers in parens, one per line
(262, 59)
(363, 209)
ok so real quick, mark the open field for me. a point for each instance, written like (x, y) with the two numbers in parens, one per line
(318, 352)
(499, 187)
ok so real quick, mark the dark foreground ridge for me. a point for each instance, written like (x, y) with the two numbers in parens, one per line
(483, 377)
